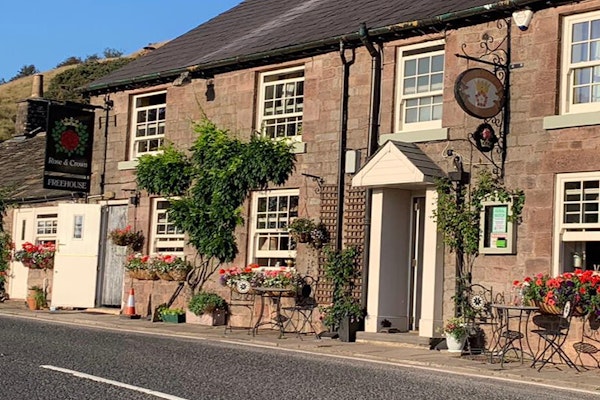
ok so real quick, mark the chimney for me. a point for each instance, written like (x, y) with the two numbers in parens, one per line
(37, 89)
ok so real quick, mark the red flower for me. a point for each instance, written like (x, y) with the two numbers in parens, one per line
(69, 139)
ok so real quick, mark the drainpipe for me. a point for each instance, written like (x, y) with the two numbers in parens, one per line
(343, 136)
(372, 147)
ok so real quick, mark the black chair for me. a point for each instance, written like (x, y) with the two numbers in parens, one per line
(590, 340)
(300, 313)
(553, 330)
(240, 301)
(477, 310)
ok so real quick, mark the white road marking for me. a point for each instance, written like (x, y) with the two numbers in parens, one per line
(111, 382)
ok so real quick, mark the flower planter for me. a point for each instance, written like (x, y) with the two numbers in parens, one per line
(32, 304)
(174, 319)
(347, 329)
(548, 309)
(216, 318)
(455, 345)
(145, 275)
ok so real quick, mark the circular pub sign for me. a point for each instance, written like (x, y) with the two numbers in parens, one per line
(479, 93)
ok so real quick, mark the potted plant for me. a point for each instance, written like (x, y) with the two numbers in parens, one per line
(127, 237)
(179, 268)
(207, 308)
(344, 314)
(39, 256)
(456, 332)
(36, 298)
(172, 315)
(301, 228)
(319, 236)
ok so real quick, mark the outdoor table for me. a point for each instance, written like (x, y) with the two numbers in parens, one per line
(509, 338)
(275, 294)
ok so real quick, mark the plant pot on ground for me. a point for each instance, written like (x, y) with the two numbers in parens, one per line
(36, 298)
(208, 308)
(172, 315)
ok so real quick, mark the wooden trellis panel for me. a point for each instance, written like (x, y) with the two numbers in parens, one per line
(353, 231)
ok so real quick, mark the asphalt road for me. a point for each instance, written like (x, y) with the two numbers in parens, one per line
(51, 361)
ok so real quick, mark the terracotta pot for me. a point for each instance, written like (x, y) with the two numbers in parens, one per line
(32, 304)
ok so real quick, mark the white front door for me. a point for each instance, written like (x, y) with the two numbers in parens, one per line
(76, 258)
(23, 231)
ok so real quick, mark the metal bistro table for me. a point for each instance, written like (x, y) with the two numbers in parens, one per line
(511, 330)
(275, 294)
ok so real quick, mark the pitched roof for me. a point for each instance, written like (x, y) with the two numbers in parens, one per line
(255, 30)
(23, 172)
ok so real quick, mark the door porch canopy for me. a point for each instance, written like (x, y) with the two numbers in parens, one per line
(398, 164)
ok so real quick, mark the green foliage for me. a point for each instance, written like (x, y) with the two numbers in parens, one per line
(206, 302)
(26, 70)
(341, 268)
(66, 85)
(111, 53)
(171, 311)
(213, 183)
(169, 174)
(459, 209)
(69, 61)
(39, 294)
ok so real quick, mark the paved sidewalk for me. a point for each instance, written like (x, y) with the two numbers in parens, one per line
(398, 351)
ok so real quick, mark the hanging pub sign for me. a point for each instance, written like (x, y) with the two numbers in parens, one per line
(69, 135)
(479, 93)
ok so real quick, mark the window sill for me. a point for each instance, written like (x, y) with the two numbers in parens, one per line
(416, 136)
(125, 165)
(571, 120)
(299, 147)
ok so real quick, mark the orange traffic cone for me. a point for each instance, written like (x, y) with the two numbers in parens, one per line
(130, 309)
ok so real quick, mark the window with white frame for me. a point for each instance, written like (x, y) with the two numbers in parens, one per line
(272, 212)
(166, 237)
(45, 228)
(581, 63)
(148, 123)
(282, 104)
(420, 87)
(577, 221)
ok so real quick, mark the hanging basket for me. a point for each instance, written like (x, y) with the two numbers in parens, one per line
(46, 263)
(146, 275)
(548, 309)
(179, 275)
(165, 276)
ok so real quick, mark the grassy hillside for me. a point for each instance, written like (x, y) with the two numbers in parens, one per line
(62, 89)
(15, 91)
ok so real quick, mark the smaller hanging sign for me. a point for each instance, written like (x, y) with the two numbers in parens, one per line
(479, 93)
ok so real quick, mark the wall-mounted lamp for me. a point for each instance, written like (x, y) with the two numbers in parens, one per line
(210, 90)
(522, 18)
(134, 199)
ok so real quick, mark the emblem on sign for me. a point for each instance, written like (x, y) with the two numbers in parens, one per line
(479, 93)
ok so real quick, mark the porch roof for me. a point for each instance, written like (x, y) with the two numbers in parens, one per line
(397, 164)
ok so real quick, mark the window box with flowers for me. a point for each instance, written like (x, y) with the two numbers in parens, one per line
(244, 280)
(127, 237)
(579, 288)
(140, 267)
(169, 267)
(39, 256)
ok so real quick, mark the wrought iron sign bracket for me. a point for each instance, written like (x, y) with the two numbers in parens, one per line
(320, 181)
(490, 136)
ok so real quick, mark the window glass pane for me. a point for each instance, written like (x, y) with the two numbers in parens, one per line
(572, 208)
(590, 218)
(437, 112)
(423, 84)
(595, 93)
(410, 67)
(437, 81)
(581, 95)
(582, 76)
(437, 63)
(411, 115)
(572, 218)
(595, 31)
(409, 86)
(580, 31)
(579, 52)
(423, 65)
(425, 114)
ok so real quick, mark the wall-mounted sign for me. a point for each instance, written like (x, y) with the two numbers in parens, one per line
(69, 140)
(479, 93)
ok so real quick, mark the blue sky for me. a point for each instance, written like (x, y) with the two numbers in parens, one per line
(46, 32)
